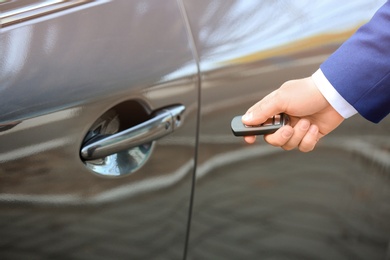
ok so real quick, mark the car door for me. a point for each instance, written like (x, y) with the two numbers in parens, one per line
(260, 202)
(98, 119)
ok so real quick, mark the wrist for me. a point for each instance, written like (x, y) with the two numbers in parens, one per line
(339, 104)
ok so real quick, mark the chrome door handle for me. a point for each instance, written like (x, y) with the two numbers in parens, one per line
(162, 123)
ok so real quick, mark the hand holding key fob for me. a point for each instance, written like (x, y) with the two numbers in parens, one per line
(268, 127)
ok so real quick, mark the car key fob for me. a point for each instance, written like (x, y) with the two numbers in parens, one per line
(268, 127)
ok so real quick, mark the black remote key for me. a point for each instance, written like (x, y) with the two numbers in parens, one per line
(268, 127)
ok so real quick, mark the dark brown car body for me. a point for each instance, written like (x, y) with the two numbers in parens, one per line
(199, 192)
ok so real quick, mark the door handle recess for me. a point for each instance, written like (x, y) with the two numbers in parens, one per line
(162, 123)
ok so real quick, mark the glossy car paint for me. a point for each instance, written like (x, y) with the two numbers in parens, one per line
(260, 202)
(61, 72)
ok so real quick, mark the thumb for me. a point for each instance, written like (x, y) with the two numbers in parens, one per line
(269, 106)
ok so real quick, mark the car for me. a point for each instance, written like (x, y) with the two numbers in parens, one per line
(115, 139)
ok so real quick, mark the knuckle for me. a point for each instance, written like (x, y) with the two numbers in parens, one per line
(270, 139)
(307, 147)
(287, 148)
(305, 150)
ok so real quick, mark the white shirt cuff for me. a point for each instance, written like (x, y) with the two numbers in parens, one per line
(345, 109)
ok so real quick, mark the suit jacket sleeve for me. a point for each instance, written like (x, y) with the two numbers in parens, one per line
(360, 69)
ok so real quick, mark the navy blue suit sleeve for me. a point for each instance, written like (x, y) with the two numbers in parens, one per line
(360, 69)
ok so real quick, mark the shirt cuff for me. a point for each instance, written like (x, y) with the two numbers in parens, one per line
(345, 109)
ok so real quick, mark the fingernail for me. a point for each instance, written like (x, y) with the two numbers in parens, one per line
(305, 125)
(247, 116)
(313, 129)
(287, 133)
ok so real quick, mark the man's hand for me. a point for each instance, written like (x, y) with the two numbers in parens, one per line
(311, 116)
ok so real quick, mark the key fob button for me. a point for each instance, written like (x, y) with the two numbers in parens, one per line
(277, 120)
(268, 122)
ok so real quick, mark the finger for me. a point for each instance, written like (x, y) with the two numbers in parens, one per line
(310, 140)
(250, 139)
(300, 130)
(280, 137)
(269, 106)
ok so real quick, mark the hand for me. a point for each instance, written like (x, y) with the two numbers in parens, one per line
(311, 116)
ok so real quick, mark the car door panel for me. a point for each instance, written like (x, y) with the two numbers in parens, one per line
(59, 74)
(260, 202)
(65, 74)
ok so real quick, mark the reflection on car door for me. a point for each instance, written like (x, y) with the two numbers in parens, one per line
(75, 75)
(260, 202)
